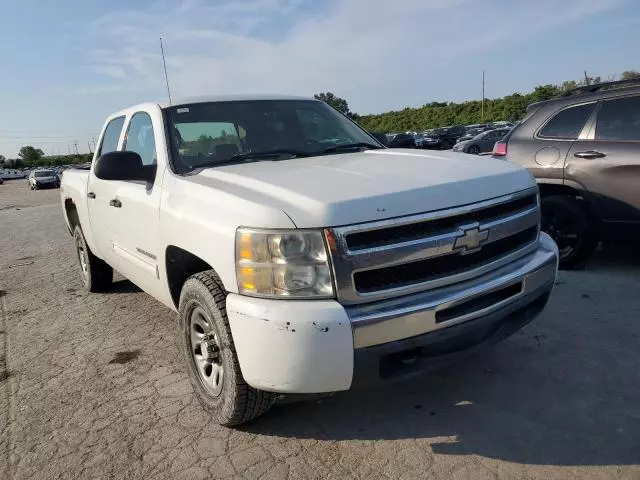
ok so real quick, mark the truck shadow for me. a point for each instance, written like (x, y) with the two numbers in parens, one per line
(510, 403)
(123, 286)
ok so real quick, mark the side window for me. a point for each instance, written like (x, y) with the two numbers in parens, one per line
(111, 136)
(619, 120)
(140, 138)
(568, 123)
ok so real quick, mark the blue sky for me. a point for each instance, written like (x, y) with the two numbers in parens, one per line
(65, 65)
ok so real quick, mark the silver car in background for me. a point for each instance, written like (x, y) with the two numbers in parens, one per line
(43, 178)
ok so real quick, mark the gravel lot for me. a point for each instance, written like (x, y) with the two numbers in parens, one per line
(91, 386)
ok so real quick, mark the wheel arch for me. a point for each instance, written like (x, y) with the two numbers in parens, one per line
(180, 264)
(569, 189)
(71, 211)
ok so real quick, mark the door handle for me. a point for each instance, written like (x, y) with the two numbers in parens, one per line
(589, 154)
(115, 203)
(91, 195)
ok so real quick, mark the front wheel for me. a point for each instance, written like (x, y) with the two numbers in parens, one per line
(208, 349)
(572, 228)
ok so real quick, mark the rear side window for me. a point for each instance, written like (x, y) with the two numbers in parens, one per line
(568, 123)
(111, 136)
(619, 120)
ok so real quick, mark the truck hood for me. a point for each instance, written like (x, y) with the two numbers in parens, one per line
(344, 189)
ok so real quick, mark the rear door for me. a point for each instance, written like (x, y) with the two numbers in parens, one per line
(607, 161)
(555, 138)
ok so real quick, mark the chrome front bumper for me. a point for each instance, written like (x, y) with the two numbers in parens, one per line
(515, 284)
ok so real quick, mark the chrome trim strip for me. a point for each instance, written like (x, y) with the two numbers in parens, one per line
(439, 245)
(405, 317)
(346, 262)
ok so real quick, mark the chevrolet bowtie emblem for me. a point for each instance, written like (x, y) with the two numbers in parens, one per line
(471, 239)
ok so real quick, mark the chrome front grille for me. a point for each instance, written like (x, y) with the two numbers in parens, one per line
(395, 257)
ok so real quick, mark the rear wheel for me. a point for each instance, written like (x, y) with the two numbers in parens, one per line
(447, 144)
(474, 149)
(208, 349)
(572, 228)
(97, 275)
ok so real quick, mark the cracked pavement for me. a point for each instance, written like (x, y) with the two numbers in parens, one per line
(92, 386)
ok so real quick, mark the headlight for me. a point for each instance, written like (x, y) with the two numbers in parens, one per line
(283, 263)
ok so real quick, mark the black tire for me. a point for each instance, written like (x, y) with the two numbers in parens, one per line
(203, 296)
(572, 228)
(447, 144)
(473, 150)
(97, 275)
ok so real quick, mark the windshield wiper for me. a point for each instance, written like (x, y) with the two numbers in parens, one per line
(350, 146)
(265, 154)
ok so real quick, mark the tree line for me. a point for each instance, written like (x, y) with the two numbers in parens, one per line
(439, 114)
(435, 114)
(29, 156)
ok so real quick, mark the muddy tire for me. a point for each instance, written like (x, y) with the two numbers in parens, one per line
(97, 275)
(204, 337)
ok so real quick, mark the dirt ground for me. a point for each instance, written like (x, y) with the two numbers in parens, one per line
(91, 386)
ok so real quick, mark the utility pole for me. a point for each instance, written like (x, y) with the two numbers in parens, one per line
(89, 145)
(586, 78)
(164, 64)
(75, 146)
(69, 148)
(483, 95)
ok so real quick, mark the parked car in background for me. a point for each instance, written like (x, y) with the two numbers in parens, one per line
(441, 138)
(381, 137)
(481, 143)
(43, 178)
(401, 140)
(584, 150)
(299, 263)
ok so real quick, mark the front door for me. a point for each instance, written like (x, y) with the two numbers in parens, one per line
(607, 164)
(136, 215)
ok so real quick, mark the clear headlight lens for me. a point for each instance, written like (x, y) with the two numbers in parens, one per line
(283, 264)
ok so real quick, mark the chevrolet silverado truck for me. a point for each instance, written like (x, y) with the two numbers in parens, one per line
(302, 256)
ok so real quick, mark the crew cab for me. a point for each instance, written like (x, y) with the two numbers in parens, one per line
(301, 255)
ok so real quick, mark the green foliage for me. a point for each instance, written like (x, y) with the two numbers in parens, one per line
(440, 114)
(29, 154)
(630, 75)
(340, 104)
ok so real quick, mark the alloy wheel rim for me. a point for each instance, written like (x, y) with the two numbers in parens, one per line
(205, 351)
(562, 230)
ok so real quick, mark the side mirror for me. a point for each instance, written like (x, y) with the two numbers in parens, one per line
(123, 165)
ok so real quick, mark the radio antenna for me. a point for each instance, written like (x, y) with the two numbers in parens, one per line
(164, 64)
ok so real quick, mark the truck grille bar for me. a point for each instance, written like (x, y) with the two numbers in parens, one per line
(395, 257)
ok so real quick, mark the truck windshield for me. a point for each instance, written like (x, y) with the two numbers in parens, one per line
(208, 134)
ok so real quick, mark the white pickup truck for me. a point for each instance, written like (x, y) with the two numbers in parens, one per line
(300, 254)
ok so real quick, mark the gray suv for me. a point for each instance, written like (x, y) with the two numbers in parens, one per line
(584, 150)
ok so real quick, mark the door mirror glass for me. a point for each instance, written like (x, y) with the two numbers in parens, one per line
(123, 165)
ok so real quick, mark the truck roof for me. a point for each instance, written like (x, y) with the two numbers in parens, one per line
(229, 98)
(205, 99)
